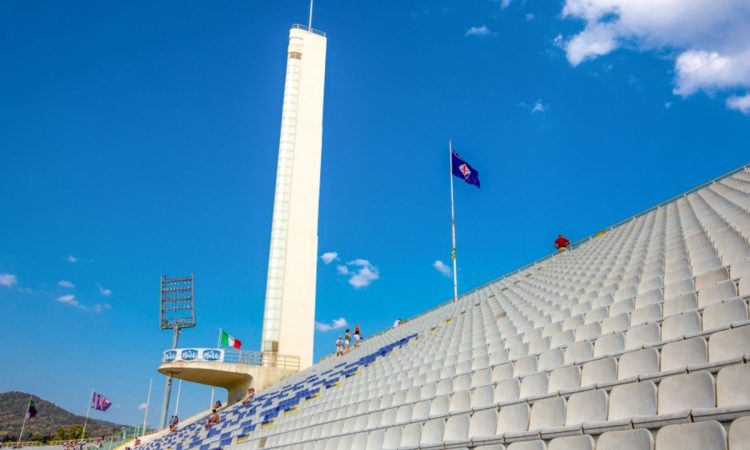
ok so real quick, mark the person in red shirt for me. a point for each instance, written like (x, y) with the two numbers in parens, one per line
(561, 243)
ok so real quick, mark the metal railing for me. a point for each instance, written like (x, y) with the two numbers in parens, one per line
(306, 28)
(265, 359)
(231, 356)
(14, 444)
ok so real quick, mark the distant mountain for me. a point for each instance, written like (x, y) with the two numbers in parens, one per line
(49, 418)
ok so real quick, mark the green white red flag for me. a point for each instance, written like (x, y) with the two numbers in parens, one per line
(227, 340)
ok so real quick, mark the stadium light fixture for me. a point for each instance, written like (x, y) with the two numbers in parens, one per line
(176, 311)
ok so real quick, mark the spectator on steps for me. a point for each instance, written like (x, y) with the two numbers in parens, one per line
(249, 397)
(396, 323)
(217, 404)
(339, 347)
(561, 243)
(347, 340)
(357, 335)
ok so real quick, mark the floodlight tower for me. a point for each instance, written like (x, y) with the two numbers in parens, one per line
(289, 315)
(177, 311)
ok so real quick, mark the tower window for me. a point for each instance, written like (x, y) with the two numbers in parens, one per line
(295, 55)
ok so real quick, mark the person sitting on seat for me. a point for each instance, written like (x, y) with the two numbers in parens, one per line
(213, 419)
(561, 243)
(249, 397)
(173, 424)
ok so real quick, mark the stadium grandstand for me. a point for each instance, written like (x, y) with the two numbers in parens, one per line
(637, 339)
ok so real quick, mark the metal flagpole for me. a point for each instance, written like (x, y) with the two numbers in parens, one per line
(148, 405)
(453, 227)
(85, 422)
(25, 417)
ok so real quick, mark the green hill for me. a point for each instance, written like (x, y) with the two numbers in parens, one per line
(49, 419)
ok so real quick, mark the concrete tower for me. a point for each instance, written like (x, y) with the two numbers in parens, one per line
(289, 316)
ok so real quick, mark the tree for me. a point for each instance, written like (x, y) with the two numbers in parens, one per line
(61, 434)
(76, 430)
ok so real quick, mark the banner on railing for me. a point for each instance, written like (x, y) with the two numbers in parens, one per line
(193, 354)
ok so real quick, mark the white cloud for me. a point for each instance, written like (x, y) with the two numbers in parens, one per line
(595, 40)
(559, 41)
(701, 70)
(335, 324)
(442, 268)
(503, 3)
(741, 104)
(363, 273)
(529, 17)
(711, 40)
(66, 284)
(71, 259)
(329, 257)
(481, 31)
(538, 107)
(360, 271)
(70, 299)
(104, 291)
(8, 280)
(101, 307)
(143, 406)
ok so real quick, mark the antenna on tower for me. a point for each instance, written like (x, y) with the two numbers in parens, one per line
(309, 22)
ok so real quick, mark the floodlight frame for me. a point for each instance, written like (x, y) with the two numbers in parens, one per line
(177, 295)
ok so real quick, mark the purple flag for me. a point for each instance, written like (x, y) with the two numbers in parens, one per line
(100, 402)
(462, 169)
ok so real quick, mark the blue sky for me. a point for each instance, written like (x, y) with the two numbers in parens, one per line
(140, 138)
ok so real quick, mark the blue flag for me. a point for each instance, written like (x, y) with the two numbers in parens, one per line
(462, 169)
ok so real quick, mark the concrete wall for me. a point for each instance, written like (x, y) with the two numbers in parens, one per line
(235, 378)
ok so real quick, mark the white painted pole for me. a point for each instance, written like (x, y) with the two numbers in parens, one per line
(453, 227)
(88, 410)
(25, 417)
(177, 404)
(309, 22)
(148, 405)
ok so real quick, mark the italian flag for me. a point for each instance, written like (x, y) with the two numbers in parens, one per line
(227, 340)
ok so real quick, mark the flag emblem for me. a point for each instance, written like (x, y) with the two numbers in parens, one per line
(100, 402)
(462, 169)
